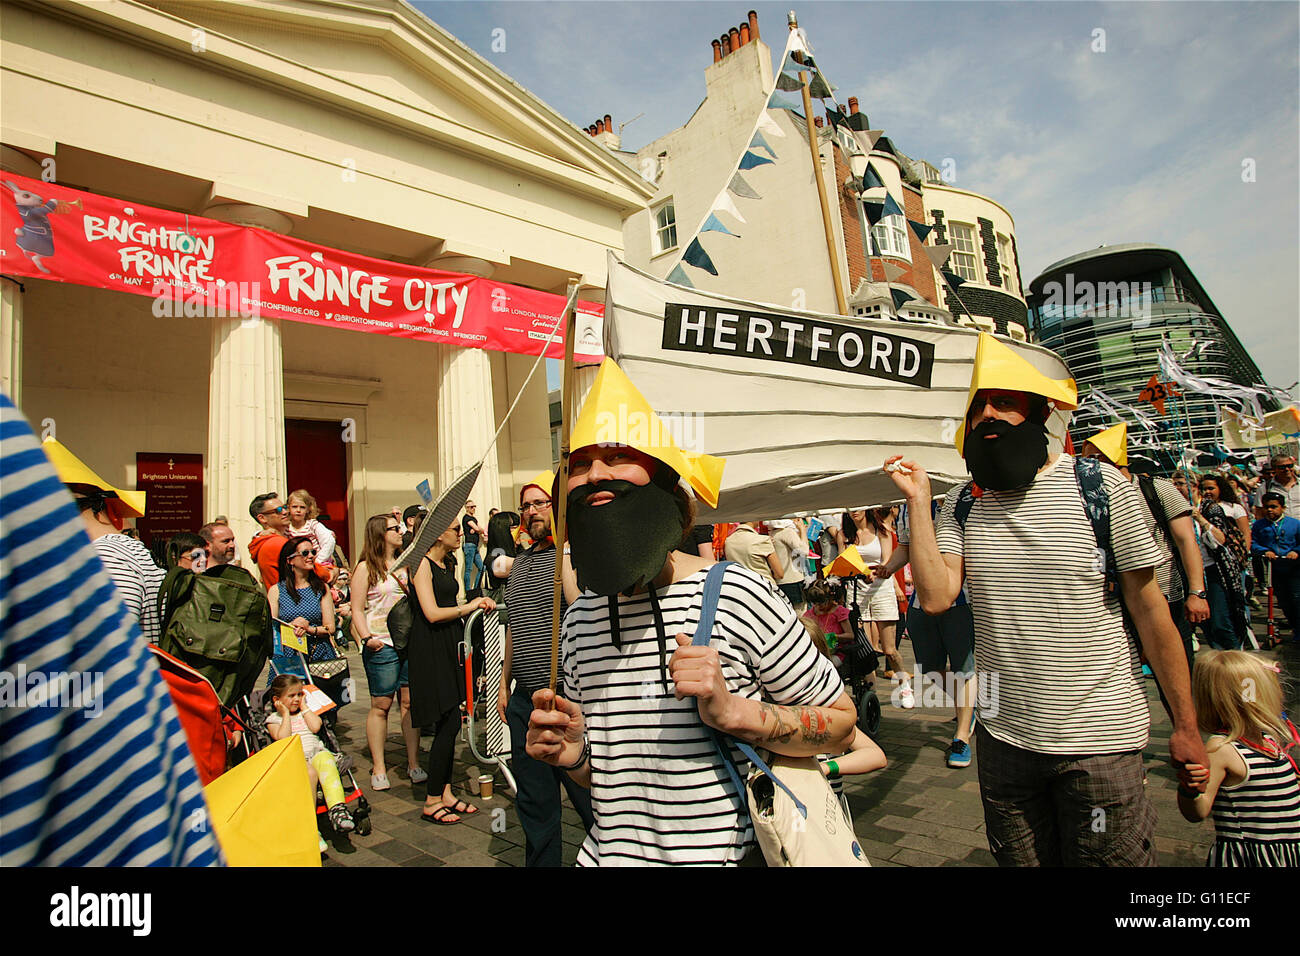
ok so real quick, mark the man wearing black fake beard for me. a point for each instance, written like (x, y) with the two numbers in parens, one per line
(640, 697)
(1060, 752)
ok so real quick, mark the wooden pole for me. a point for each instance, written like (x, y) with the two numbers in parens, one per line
(840, 302)
(558, 515)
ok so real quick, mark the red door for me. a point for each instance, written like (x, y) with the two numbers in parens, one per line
(318, 461)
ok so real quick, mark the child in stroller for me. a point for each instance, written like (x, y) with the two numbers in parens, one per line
(288, 696)
(847, 641)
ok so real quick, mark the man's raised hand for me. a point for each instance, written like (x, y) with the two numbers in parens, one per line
(554, 735)
(909, 478)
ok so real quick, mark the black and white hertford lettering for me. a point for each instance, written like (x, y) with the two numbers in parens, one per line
(803, 341)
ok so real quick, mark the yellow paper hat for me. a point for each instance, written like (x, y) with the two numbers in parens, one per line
(1113, 443)
(998, 366)
(847, 564)
(73, 471)
(543, 479)
(262, 810)
(615, 413)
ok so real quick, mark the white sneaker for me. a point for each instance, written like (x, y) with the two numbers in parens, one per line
(418, 775)
(324, 847)
(379, 781)
(906, 699)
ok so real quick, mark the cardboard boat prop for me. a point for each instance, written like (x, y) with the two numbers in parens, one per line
(804, 406)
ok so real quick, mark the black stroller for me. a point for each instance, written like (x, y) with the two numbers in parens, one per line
(861, 663)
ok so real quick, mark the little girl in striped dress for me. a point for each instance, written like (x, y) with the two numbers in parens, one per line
(1252, 783)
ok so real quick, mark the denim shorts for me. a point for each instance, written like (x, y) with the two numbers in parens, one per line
(385, 671)
(943, 642)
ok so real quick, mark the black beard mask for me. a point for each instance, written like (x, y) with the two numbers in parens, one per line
(1008, 460)
(622, 544)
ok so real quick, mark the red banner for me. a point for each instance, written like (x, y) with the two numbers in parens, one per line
(196, 267)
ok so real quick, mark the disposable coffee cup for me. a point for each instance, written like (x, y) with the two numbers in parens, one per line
(485, 786)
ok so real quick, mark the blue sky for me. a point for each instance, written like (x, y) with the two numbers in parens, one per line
(1143, 142)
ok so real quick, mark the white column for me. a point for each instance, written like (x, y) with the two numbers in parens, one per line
(246, 455)
(465, 418)
(11, 340)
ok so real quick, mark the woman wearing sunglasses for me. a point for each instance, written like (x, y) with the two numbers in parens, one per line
(301, 599)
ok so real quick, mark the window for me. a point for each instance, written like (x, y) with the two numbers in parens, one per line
(1006, 262)
(890, 235)
(963, 261)
(665, 234)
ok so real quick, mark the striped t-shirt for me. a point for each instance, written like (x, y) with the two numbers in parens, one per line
(659, 790)
(1047, 632)
(529, 599)
(94, 767)
(138, 579)
(1175, 506)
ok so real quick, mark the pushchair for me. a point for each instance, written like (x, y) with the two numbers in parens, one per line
(327, 669)
(861, 663)
(259, 736)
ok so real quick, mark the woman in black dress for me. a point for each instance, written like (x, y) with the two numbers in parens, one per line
(437, 682)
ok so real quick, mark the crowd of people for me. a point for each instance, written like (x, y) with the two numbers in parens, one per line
(1068, 577)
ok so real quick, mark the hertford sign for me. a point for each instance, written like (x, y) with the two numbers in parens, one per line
(797, 339)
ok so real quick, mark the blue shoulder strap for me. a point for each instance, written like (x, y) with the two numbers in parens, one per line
(1096, 504)
(965, 501)
(708, 610)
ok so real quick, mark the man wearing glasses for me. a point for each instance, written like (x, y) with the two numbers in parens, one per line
(529, 597)
(1283, 482)
(270, 512)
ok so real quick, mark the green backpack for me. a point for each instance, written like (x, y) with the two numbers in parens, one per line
(219, 623)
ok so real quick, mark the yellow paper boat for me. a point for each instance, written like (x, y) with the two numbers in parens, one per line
(262, 810)
(847, 564)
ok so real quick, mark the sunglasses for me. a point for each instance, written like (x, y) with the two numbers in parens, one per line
(306, 554)
(394, 528)
(280, 510)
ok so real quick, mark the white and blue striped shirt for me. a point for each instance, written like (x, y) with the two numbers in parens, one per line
(94, 767)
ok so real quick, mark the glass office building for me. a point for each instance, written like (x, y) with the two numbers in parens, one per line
(1107, 311)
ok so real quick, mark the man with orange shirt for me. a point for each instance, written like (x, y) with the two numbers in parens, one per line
(270, 512)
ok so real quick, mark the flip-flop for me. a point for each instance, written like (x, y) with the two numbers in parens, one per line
(466, 808)
(439, 816)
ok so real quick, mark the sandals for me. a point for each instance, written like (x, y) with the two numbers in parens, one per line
(466, 808)
(440, 815)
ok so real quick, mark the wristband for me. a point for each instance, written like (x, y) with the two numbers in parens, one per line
(582, 758)
(833, 768)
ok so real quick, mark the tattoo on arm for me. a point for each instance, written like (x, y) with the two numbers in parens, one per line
(781, 731)
(816, 728)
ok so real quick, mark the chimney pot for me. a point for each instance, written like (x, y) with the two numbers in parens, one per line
(609, 123)
(817, 121)
(600, 126)
(726, 44)
(744, 33)
(717, 50)
(853, 105)
(735, 38)
(753, 24)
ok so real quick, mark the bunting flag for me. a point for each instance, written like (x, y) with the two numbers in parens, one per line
(920, 229)
(871, 180)
(724, 203)
(758, 142)
(899, 297)
(874, 210)
(1246, 396)
(834, 117)
(1116, 409)
(939, 254)
(867, 138)
(819, 88)
(788, 83)
(792, 65)
(892, 208)
(679, 277)
(696, 256)
(954, 281)
(742, 188)
(770, 126)
(857, 122)
(751, 159)
(1157, 391)
(892, 271)
(713, 224)
(782, 101)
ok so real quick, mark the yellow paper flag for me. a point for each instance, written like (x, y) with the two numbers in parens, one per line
(289, 639)
(262, 810)
(847, 564)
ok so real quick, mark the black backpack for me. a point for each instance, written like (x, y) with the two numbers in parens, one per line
(219, 623)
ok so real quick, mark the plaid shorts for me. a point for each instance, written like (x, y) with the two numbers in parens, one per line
(1065, 810)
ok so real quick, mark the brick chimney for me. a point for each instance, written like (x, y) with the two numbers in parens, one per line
(853, 105)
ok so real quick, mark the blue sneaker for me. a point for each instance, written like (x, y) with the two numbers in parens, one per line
(959, 754)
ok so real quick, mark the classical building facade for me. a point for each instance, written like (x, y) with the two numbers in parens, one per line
(361, 126)
(781, 255)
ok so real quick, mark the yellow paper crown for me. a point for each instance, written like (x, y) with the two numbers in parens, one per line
(616, 413)
(847, 564)
(1113, 443)
(998, 366)
(543, 479)
(73, 471)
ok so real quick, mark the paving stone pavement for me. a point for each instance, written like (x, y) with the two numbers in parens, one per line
(915, 812)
